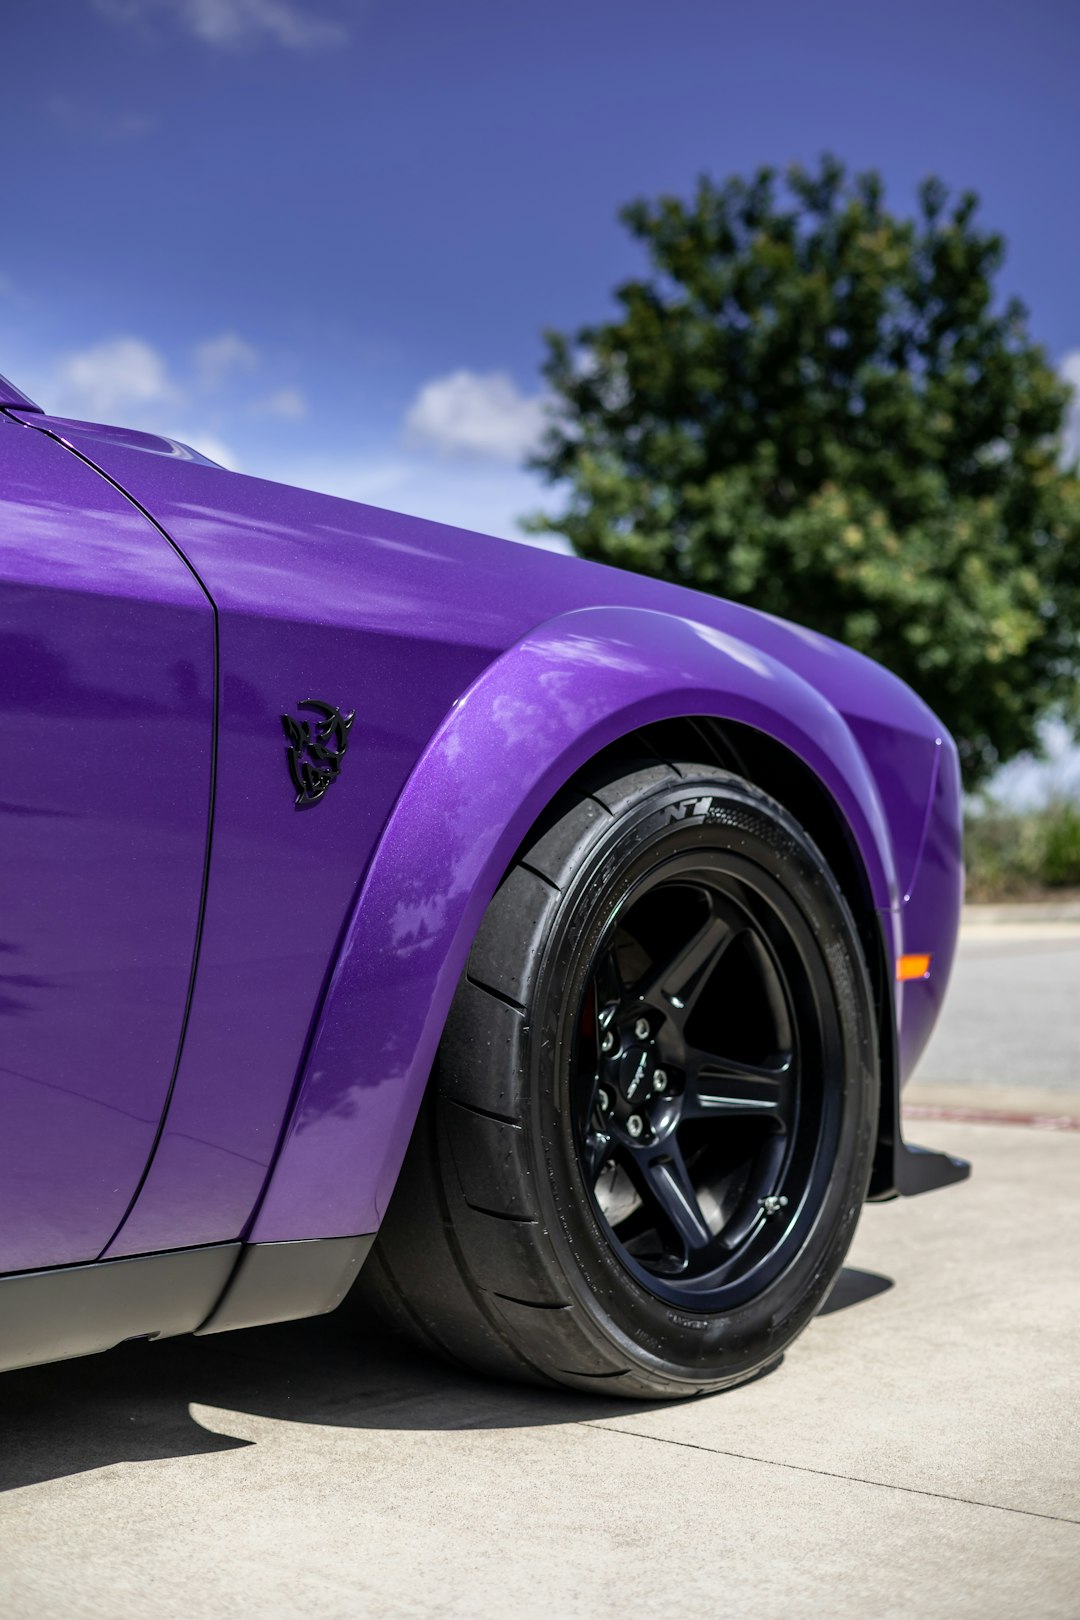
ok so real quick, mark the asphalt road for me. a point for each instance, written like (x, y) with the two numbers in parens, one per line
(1009, 1034)
(917, 1451)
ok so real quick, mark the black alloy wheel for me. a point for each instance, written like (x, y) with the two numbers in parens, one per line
(649, 1132)
(702, 1125)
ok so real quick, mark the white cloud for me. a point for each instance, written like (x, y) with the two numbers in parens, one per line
(476, 415)
(121, 375)
(1070, 370)
(287, 402)
(218, 358)
(127, 381)
(230, 23)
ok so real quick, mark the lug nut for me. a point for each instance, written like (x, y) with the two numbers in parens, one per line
(641, 1029)
(607, 1041)
(659, 1079)
(603, 1100)
(635, 1125)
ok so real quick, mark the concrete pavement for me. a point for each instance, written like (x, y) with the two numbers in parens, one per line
(916, 1453)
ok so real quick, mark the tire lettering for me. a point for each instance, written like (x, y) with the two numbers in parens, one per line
(680, 812)
(687, 1321)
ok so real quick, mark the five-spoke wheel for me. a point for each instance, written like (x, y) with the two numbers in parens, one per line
(694, 1078)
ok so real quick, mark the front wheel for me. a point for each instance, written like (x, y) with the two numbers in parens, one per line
(651, 1124)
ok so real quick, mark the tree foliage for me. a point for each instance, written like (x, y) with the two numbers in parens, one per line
(821, 409)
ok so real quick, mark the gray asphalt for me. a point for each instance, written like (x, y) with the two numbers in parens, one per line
(1011, 1023)
(916, 1453)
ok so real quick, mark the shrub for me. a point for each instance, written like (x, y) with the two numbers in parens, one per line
(1016, 854)
(1061, 845)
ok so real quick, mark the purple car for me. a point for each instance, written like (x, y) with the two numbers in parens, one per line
(550, 942)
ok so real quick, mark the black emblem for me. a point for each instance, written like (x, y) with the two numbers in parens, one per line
(316, 749)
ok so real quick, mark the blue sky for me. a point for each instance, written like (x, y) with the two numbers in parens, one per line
(320, 239)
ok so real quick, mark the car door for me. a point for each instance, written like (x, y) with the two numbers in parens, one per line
(107, 674)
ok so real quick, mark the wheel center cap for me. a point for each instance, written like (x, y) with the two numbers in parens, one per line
(635, 1069)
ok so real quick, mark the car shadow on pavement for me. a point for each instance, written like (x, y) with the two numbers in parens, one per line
(133, 1404)
(852, 1287)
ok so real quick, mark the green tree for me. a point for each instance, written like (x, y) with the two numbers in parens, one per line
(824, 410)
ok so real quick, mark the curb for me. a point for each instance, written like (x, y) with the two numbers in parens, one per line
(991, 1116)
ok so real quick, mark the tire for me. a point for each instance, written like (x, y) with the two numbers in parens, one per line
(642, 1212)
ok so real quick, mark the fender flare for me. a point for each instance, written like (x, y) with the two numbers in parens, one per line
(531, 719)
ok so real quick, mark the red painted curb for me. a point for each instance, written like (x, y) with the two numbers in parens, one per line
(990, 1116)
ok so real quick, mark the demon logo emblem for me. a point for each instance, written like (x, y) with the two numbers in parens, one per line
(316, 749)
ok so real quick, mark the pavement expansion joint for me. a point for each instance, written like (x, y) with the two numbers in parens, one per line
(832, 1473)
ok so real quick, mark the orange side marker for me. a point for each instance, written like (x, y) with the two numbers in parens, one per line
(913, 967)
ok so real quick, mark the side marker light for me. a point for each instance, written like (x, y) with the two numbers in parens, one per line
(913, 967)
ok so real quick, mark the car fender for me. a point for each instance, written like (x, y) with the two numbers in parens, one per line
(540, 711)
